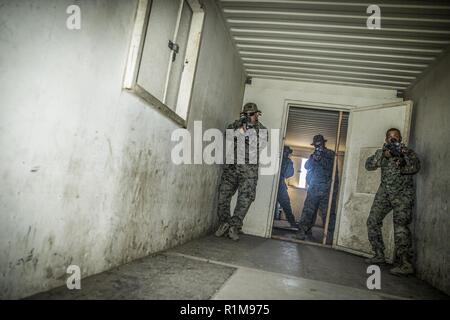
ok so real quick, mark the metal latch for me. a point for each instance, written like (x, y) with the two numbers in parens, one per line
(175, 48)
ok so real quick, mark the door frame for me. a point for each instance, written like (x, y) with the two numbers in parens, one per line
(288, 103)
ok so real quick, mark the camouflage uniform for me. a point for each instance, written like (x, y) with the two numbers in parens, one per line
(396, 192)
(319, 180)
(287, 170)
(238, 177)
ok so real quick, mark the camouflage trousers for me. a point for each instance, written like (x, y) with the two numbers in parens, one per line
(243, 179)
(285, 202)
(317, 199)
(401, 204)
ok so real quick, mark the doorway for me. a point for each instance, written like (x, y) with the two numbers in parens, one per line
(303, 123)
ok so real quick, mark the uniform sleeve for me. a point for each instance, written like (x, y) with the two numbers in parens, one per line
(289, 168)
(234, 125)
(374, 161)
(326, 161)
(411, 164)
(309, 164)
(263, 142)
(230, 138)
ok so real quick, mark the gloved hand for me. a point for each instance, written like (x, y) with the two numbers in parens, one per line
(317, 155)
(379, 154)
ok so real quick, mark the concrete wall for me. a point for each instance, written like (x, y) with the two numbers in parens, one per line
(430, 139)
(271, 97)
(85, 167)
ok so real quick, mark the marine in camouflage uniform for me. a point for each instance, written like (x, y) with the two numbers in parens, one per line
(287, 170)
(319, 178)
(242, 178)
(396, 192)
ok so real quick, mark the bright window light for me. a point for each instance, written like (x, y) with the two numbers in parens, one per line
(302, 179)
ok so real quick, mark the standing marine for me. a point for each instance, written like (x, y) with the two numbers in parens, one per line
(398, 164)
(242, 174)
(319, 178)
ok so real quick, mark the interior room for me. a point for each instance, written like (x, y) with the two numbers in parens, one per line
(98, 97)
(303, 124)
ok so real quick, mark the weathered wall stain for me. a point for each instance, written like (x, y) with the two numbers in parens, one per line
(354, 230)
(430, 133)
(102, 190)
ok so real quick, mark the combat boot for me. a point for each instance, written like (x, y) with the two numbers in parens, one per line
(293, 224)
(405, 268)
(378, 258)
(301, 235)
(233, 233)
(223, 228)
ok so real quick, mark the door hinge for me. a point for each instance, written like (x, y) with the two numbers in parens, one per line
(175, 48)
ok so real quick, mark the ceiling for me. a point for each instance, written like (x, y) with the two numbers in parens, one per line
(305, 123)
(329, 42)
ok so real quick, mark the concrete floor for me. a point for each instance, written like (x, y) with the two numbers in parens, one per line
(283, 229)
(252, 268)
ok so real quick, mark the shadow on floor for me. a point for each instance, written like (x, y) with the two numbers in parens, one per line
(305, 261)
(282, 228)
(212, 267)
(156, 277)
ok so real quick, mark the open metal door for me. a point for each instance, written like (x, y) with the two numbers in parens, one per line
(367, 127)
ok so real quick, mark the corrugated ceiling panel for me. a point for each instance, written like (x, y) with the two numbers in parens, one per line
(329, 42)
(304, 124)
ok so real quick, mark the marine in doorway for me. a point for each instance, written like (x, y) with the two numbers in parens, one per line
(286, 171)
(240, 177)
(319, 179)
(398, 164)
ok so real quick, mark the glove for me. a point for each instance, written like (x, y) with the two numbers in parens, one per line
(379, 154)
